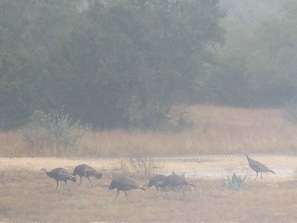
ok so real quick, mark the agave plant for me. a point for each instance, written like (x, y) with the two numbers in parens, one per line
(234, 183)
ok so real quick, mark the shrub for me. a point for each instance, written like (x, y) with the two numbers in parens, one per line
(53, 131)
(234, 183)
(145, 166)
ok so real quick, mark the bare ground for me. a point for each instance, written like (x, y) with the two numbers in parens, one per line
(27, 195)
(206, 166)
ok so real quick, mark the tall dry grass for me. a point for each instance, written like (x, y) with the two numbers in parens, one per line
(216, 130)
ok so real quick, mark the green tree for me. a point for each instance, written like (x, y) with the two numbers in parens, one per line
(271, 64)
(111, 63)
(228, 82)
(27, 30)
(131, 62)
(256, 67)
(16, 63)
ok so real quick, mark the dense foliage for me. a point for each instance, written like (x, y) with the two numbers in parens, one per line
(257, 66)
(109, 63)
(132, 63)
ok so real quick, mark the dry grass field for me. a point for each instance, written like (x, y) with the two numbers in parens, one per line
(216, 130)
(27, 194)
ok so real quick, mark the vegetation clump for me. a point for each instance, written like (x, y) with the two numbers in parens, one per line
(234, 183)
(53, 131)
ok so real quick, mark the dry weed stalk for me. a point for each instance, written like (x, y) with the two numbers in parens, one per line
(145, 166)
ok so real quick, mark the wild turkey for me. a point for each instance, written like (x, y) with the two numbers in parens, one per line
(123, 183)
(60, 174)
(175, 182)
(157, 180)
(257, 166)
(84, 170)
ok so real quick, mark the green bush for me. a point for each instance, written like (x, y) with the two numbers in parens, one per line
(53, 131)
(234, 183)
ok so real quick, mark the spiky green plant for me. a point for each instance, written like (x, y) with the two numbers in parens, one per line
(234, 183)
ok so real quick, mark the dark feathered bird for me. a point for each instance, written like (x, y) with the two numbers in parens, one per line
(257, 166)
(175, 181)
(84, 170)
(123, 183)
(157, 180)
(60, 174)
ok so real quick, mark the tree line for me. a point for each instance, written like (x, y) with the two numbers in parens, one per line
(135, 63)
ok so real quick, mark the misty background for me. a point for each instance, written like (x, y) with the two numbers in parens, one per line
(140, 63)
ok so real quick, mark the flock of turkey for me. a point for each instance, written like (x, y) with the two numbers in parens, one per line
(172, 182)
